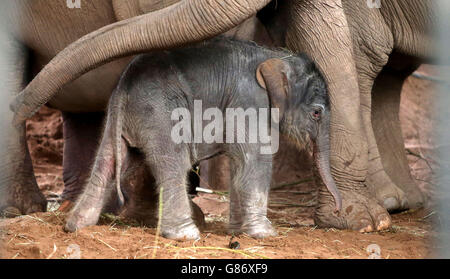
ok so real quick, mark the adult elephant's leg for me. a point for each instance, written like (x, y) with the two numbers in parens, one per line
(313, 23)
(378, 181)
(98, 189)
(19, 192)
(388, 134)
(82, 133)
(219, 177)
(372, 48)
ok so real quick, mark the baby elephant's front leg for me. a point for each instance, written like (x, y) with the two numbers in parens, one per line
(176, 219)
(249, 196)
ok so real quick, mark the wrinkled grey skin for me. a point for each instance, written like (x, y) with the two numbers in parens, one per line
(36, 30)
(223, 74)
(358, 48)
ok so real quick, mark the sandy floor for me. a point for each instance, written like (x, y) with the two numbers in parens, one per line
(291, 208)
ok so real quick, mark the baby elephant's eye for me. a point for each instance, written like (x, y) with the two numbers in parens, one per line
(317, 113)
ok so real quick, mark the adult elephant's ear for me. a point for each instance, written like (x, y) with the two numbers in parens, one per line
(272, 75)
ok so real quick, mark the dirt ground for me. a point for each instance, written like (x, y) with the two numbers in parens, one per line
(292, 202)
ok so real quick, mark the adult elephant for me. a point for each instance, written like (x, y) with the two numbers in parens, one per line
(35, 31)
(357, 46)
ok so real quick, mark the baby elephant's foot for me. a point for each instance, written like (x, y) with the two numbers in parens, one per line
(81, 218)
(184, 232)
(258, 230)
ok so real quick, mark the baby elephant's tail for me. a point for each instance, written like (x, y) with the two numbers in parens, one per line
(115, 119)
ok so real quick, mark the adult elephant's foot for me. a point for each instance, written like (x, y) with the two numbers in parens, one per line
(396, 191)
(415, 198)
(389, 140)
(22, 199)
(392, 197)
(386, 192)
(19, 191)
(360, 212)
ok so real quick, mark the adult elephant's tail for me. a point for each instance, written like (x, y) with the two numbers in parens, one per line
(185, 22)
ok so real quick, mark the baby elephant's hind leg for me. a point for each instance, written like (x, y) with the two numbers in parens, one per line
(97, 190)
(141, 195)
(169, 164)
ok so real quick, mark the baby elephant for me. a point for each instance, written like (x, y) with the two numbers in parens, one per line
(163, 91)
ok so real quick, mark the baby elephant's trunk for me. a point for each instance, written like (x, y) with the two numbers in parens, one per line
(322, 159)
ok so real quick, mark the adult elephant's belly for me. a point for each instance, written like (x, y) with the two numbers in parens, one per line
(91, 91)
(47, 27)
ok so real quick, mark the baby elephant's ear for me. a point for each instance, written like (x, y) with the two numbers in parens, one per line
(272, 75)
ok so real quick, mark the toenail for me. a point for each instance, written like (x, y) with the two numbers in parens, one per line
(365, 225)
(391, 204)
(385, 223)
(369, 228)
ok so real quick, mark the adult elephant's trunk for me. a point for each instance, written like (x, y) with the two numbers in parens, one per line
(185, 22)
(322, 159)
